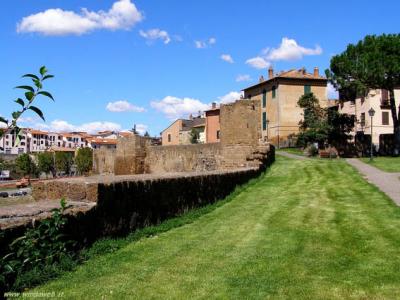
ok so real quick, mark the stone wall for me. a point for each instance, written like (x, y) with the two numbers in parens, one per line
(182, 158)
(104, 161)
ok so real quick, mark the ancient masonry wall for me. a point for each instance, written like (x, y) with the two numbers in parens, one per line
(239, 147)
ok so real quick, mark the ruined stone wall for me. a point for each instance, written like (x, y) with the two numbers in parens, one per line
(130, 155)
(240, 123)
(103, 161)
(182, 158)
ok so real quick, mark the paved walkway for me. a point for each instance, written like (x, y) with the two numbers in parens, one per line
(389, 183)
(290, 155)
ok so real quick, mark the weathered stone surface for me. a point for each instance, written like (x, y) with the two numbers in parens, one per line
(39, 190)
(55, 190)
(91, 192)
(76, 191)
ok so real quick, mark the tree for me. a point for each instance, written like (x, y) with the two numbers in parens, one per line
(32, 92)
(194, 136)
(46, 163)
(25, 165)
(146, 134)
(63, 161)
(84, 160)
(314, 127)
(373, 63)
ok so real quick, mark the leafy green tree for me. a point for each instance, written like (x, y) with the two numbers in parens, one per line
(314, 127)
(25, 165)
(372, 63)
(194, 136)
(46, 162)
(63, 161)
(84, 160)
(31, 94)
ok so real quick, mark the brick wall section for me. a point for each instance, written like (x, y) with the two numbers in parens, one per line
(104, 161)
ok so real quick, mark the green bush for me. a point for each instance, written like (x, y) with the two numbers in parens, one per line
(36, 252)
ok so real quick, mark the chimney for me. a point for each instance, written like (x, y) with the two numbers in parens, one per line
(261, 79)
(316, 72)
(270, 72)
(213, 105)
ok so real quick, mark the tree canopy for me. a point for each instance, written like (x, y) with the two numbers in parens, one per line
(372, 63)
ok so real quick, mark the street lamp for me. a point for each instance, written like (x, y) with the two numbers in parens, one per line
(371, 113)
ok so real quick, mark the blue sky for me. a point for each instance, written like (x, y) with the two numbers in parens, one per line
(124, 62)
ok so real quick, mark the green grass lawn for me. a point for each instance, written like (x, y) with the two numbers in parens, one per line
(308, 229)
(296, 151)
(387, 164)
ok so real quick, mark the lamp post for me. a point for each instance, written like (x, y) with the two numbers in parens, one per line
(371, 113)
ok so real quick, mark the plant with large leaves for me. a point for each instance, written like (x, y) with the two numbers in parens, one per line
(26, 103)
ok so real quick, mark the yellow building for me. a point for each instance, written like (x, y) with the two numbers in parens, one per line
(278, 96)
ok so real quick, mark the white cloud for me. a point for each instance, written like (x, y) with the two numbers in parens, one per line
(244, 77)
(230, 97)
(122, 15)
(205, 44)
(123, 106)
(290, 50)
(258, 62)
(175, 108)
(141, 128)
(331, 92)
(92, 127)
(153, 34)
(227, 58)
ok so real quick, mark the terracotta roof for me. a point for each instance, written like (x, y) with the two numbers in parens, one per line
(34, 131)
(103, 141)
(291, 74)
(196, 122)
(126, 134)
(60, 149)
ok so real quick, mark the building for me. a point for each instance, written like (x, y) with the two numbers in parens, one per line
(213, 127)
(278, 96)
(8, 143)
(102, 143)
(382, 120)
(179, 132)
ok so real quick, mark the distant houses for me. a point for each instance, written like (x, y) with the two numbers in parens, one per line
(33, 141)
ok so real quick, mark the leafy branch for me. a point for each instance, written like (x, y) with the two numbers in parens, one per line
(30, 95)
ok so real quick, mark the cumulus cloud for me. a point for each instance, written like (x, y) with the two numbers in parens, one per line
(175, 108)
(201, 44)
(227, 58)
(331, 92)
(290, 50)
(56, 22)
(230, 97)
(123, 106)
(244, 77)
(141, 128)
(91, 127)
(258, 62)
(154, 34)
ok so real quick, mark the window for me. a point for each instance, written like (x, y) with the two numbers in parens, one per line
(249, 96)
(264, 120)
(362, 121)
(218, 133)
(273, 92)
(385, 118)
(307, 89)
(169, 137)
(264, 98)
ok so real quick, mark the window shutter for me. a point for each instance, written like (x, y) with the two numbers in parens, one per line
(264, 98)
(307, 89)
(264, 120)
(385, 118)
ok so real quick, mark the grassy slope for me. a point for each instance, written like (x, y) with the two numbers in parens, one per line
(308, 229)
(387, 164)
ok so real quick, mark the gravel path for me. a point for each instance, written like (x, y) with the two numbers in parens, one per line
(389, 183)
(290, 155)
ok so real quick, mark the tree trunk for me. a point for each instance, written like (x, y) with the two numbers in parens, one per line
(396, 123)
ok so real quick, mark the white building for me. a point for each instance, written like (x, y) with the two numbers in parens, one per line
(382, 120)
